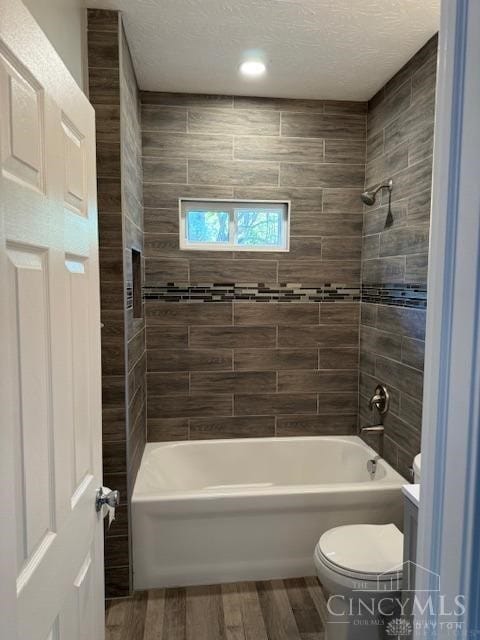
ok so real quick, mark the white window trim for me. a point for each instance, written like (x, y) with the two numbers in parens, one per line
(230, 246)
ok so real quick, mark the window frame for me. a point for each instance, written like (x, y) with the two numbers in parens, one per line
(215, 203)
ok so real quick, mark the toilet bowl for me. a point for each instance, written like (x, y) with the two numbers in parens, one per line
(360, 568)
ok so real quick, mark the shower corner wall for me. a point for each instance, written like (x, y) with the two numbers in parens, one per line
(400, 122)
(114, 96)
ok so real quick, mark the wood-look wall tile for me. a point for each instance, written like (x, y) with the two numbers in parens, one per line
(314, 272)
(323, 125)
(102, 20)
(161, 220)
(274, 148)
(164, 384)
(321, 175)
(318, 336)
(403, 434)
(387, 165)
(377, 220)
(341, 248)
(384, 270)
(324, 425)
(278, 104)
(166, 429)
(175, 313)
(416, 268)
(338, 358)
(160, 271)
(159, 118)
(236, 427)
(423, 80)
(275, 313)
(163, 245)
(103, 49)
(404, 241)
(315, 223)
(107, 122)
(382, 343)
(368, 314)
(275, 404)
(185, 99)
(232, 172)
(234, 382)
(401, 376)
(167, 337)
(237, 121)
(108, 159)
(412, 122)
(165, 196)
(333, 403)
(344, 151)
(345, 106)
(428, 51)
(302, 381)
(165, 171)
(189, 406)
(189, 360)
(186, 145)
(232, 337)
(402, 321)
(344, 200)
(339, 313)
(374, 145)
(301, 199)
(413, 352)
(228, 271)
(104, 86)
(370, 247)
(390, 107)
(411, 411)
(274, 359)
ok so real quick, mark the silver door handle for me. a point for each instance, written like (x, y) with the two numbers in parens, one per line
(106, 496)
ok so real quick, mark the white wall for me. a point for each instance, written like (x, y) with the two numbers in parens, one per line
(63, 23)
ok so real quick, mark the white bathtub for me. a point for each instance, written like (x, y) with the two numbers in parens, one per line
(216, 511)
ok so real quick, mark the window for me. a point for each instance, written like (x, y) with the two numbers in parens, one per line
(234, 225)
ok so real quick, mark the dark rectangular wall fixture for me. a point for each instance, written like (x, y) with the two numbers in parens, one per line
(137, 284)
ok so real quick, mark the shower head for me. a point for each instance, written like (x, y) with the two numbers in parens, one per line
(369, 197)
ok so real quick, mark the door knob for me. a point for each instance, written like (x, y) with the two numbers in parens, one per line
(108, 497)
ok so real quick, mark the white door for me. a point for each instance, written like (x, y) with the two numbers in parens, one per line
(50, 449)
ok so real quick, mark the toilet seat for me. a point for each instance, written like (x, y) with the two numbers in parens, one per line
(363, 552)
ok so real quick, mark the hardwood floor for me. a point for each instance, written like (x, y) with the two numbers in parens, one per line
(292, 609)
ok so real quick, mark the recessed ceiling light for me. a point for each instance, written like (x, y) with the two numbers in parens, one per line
(252, 68)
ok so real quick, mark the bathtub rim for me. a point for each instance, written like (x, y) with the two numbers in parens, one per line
(396, 481)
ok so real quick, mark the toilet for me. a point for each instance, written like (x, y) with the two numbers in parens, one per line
(360, 568)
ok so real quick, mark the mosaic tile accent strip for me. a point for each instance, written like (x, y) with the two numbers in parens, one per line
(396, 294)
(255, 292)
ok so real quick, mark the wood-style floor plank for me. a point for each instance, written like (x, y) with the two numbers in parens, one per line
(253, 621)
(316, 592)
(232, 612)
(205, 620)
(277, 612)
(154, 615)
(293, 609)
(306, 615)
(175, 616)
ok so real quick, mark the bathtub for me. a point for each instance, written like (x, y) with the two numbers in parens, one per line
(205, 512)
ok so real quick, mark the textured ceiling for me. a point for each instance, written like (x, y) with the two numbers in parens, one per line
(332, 49)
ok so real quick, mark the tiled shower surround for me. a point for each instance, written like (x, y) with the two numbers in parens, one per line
(257, 344)
(114, 95)
(394, 257)
(250, 344)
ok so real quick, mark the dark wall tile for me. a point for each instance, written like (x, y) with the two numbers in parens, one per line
(325, 425)
(233, 382)
(166, 429)
(321, 175)
(275, 148)
(232, 337)
(236, 427)
(189, 359)
(275, 359)
(239, 122)
(275, 404)
(219, 271)
(323, 125)
(178, 406)
(232, 172)
(276, 314)
(321, 381)
(174, 313)
(318, 336)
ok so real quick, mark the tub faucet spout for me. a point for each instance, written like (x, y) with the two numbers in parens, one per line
(377, 429)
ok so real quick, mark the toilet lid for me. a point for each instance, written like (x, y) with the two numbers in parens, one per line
(367, 549)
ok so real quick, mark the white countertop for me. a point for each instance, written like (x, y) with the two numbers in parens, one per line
(412, 493)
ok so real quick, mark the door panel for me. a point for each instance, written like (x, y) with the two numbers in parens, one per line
(50, 454)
